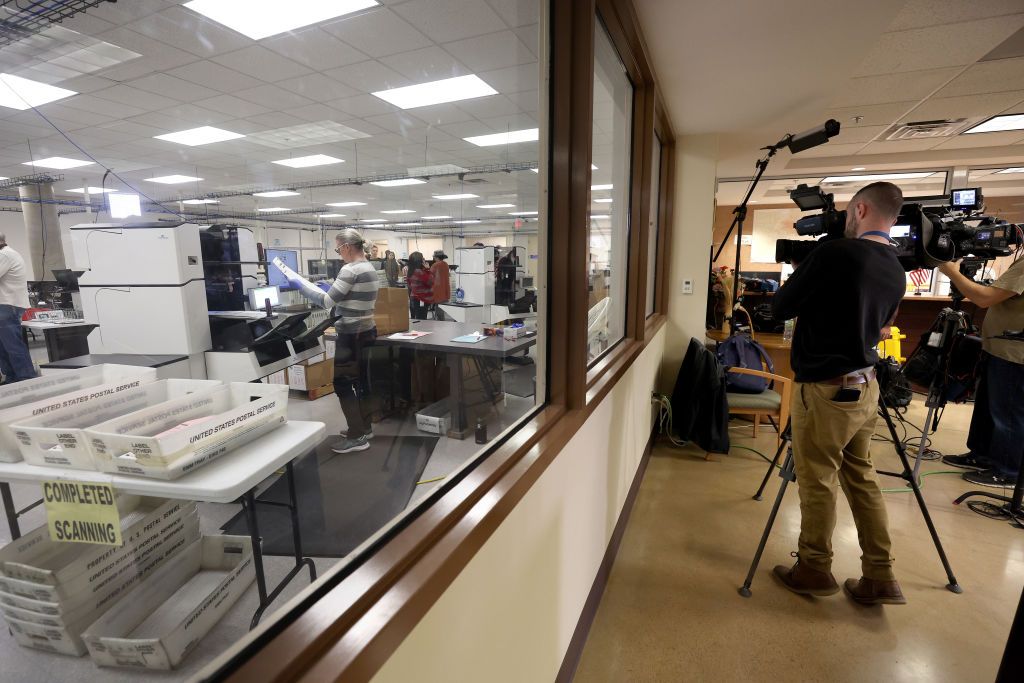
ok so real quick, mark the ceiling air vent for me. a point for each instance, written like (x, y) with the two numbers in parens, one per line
(925, 129)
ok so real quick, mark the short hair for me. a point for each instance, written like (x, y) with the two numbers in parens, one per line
(3, 237)
(350, 236)
(885, 197)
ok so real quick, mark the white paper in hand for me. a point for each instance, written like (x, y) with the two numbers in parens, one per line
(289, 274)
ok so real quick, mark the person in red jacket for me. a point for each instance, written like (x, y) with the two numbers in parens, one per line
(442, 282)
(421, 285)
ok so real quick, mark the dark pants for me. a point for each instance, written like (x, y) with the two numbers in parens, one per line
(996, 438)
(418, 309)
(350, 379)
(15, 361)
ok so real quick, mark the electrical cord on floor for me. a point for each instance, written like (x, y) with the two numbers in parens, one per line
(921, 485)
(665, 418)
(430, 481)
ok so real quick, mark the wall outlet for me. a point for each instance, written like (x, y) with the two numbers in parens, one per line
(687, 286)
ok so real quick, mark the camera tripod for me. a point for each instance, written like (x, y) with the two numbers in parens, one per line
(788, 474)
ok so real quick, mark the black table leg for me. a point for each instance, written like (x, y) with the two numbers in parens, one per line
(456, 398)
(10, 510)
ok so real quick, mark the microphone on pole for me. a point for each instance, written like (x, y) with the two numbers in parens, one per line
(813, 137)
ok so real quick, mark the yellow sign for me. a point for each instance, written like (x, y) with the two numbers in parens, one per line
(82, 513)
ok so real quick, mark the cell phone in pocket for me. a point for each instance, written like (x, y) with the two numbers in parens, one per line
(847, 395)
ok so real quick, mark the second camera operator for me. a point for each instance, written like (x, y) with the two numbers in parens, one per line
(996, 437)
(844, 293)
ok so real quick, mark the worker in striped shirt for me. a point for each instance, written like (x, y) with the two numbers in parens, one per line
(353, 297)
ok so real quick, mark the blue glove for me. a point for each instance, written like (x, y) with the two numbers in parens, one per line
(325, 285)
(295, 282)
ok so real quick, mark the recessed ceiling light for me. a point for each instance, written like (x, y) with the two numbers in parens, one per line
(92, 190)
(468, 220)
(369, 220)
(3, 177)
(200, 201)
(203, 135)
(593, 167)
(398, 182)
(436, 92)
(495, 206)
(600, 215)
(1016, 169)
(276, 193)
(606, 200)
(57, 162)
(311, 160)
(857, 168)
(535, 170)
(407, 225)
(272, 208)
(21, 93)
(332, 215)
(347, 204)
(601, 187)
(512, 136)
(399, 211)
(124, 205)
(876, 176)
(375, 225)
(522, 213)
(998, 124)
(434, 218)
(173, 179)
(262, 18)
(466, 195)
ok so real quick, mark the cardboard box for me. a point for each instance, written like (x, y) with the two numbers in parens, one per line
(313, 376)
(58, 438)
(279, 377)
(41, 395)
(156, 443)
(435, 418)
(164, 618)
(391, 313)
(60, 640)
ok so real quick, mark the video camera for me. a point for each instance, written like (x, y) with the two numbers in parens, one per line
(924, 236)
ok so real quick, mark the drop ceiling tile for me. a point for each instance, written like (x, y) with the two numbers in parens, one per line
(315, 48)
(871, 115)
(87, 83)
(169, 86)
(98, 105)
(900, 146)
(883, 89)
(427, 64)
(377, 33)
(273, 120)
(135, 97)
(970, 106)
(368, 77)
(998, 76)
(160, 55)
(216, 76)
(982, 140)
(78, 117)
(492, 51)
(513, 79)
(441, 114)
(488, 107)
(190, 31)
(448, 20)
(273, 95)
(517, 12)
(233, 106)
(920, 13)
(832, 149)
(87, 23)
(318, 87)
(857, 134)
(261, 63)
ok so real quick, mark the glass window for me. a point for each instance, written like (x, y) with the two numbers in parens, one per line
(609, 197)
(654, 222)
(391, 158)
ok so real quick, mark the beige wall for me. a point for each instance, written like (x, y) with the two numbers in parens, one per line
(510, 614)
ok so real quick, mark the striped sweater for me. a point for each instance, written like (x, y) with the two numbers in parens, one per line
(352, 296)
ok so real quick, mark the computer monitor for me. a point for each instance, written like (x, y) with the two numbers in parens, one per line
(276, 277)
(259, 295)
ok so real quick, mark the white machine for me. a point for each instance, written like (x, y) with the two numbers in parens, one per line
(475, 275)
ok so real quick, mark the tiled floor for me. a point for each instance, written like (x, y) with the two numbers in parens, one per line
(671, 611)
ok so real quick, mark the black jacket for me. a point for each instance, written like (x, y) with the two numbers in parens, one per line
(700, 408)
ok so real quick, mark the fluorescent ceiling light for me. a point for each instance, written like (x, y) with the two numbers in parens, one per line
(92, 190)
(468, 220)
(436, 169)
(370, 220)
(124, 205)
(272, 208)
(606, 200)
(276, 193)
(347, 204)
(601, 215)
(375, 225)
(311, 160)
(263, 18)
(398, 182)
(535, 170)
(407, 225)
(203, 135)
(465, 195)
(522, 213)
(332, 215)
(3, 177)
(878, 176)
(399, 211)
(173, 179)
(998, 124)
(57, 162)
(436, 92)
(857, 168)
(1016, 169)
(512, 136)
(21, 93)
(593, 168)
(495, 206)
(433, 218)
(601, 187)
(200, 201)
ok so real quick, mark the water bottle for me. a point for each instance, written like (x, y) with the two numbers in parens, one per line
(481, 431)
(787, 331)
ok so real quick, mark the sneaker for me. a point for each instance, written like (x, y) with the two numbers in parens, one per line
(965, 462)
(368, 434)
(990, 478)
(351, 445)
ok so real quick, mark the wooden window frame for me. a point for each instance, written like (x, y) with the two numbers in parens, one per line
(666, 176)
(347, 629)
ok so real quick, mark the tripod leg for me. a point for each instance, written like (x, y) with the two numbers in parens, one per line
(787, 473)
(772, 466)
(909, 476)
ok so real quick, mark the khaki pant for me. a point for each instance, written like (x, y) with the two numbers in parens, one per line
(831, 443)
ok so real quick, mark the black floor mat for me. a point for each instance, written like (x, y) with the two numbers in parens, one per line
(343, 499)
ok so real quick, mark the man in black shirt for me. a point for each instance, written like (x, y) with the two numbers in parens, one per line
(844, 294)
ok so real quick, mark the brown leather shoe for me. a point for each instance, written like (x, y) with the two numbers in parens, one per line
(806, 581)
(871, 592)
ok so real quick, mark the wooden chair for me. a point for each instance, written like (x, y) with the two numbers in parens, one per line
(769, 403)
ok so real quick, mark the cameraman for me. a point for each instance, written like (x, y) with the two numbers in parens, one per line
(844, 293)
(996, 438)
